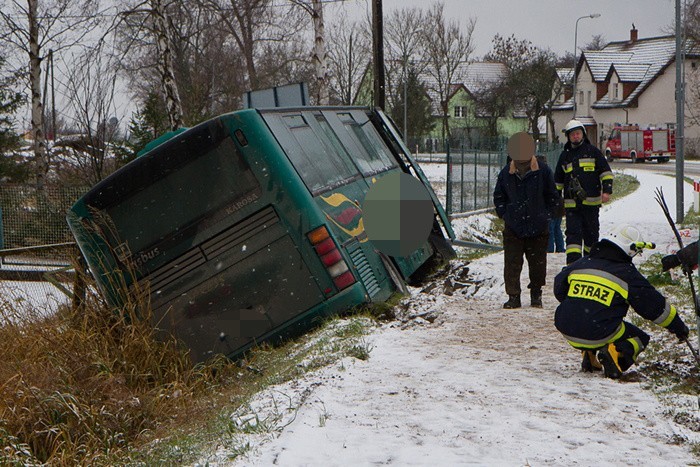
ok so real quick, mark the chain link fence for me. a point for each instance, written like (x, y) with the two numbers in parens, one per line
(36, 249)
(32, 217)
(472, 170)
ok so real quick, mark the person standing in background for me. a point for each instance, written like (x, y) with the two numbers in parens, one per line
(525, 198)
(584, 177)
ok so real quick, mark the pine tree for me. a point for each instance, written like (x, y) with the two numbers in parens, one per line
(146, 124)
(12, 168)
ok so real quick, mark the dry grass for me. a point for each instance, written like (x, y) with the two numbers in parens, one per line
(93, 386)
(79, 386)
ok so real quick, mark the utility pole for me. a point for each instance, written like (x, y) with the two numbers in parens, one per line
(592, 15)
(680, 115)
(53, 98)
(378, 52)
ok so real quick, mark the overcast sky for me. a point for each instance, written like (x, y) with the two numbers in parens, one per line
(546, 23)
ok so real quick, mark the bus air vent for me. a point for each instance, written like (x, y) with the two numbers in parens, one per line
(242, 231)
(175, 269)
(364, 270)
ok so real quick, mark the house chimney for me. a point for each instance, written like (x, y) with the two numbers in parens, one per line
(633, 34)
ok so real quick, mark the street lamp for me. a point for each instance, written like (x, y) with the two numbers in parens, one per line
(592, 15)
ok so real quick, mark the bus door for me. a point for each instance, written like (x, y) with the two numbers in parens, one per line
(338, 189)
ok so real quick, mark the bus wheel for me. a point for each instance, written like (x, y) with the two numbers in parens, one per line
(608, 156)
(634, 157)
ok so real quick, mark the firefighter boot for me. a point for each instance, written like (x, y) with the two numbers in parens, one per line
(590, 362)
(610, 359)
(513, 302)
(536, 298)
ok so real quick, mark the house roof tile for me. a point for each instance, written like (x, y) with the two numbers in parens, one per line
(640, 61)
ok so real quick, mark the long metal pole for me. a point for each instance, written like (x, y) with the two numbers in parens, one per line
(405, 112)
(680, 115)
(592, 15)
(575, 61)
(378, 48)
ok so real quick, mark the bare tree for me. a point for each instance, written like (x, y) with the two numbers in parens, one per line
(90, 86)
(137, 22)
(404, 35)
(318, 57)
(32, 28)
(597, 42)
(530, 76)
(349, 53)
(205, 65)
(253, 23)
(161, 30)
(446, 48)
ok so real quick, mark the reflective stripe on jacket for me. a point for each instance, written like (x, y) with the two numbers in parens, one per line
(587, 164)
(595, 293)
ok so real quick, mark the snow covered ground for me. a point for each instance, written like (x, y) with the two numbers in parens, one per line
(479, 385)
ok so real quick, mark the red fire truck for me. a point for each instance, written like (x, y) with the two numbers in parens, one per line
(631, 142)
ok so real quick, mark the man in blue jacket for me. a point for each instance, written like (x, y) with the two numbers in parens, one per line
(595, 294)
(584, 177)
(525, 198)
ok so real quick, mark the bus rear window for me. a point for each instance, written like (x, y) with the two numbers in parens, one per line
(213, 185)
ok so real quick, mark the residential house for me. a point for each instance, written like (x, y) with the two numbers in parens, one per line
(630, 81)
(466, 120)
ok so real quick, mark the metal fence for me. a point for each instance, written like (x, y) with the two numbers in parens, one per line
(31, 218)
(472, 172)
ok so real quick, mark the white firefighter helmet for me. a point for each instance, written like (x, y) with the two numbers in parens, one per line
(573, 125)
(627, 237)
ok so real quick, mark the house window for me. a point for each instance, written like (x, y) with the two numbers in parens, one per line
(615, 92)
(580, 97)
(589, 98)
(460, 111)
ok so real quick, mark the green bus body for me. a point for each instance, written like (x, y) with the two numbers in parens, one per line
(214, 225)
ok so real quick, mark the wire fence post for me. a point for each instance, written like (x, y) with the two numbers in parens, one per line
(448, 179)
(489, 199)
(461, 179)
(476, 179)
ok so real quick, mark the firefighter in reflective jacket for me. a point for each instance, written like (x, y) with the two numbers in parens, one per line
(585, 180)
(595, 294)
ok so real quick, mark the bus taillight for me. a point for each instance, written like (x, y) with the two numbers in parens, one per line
(330, 256)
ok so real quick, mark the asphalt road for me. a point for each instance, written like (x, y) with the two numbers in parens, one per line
(690, 168)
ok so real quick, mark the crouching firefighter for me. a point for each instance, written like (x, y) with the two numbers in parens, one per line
(585, 181)
(595, 294)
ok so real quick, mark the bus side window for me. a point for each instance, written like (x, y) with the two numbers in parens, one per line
(320, 165)
(374, 158)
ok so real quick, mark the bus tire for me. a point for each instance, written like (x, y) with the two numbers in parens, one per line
(608, 156)
(633, 156)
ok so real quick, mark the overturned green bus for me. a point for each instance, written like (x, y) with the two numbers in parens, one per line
(248, 227)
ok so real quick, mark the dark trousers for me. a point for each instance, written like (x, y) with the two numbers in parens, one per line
(535, 251)
(582, 231)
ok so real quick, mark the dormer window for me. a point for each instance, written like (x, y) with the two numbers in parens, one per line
(616, 92)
